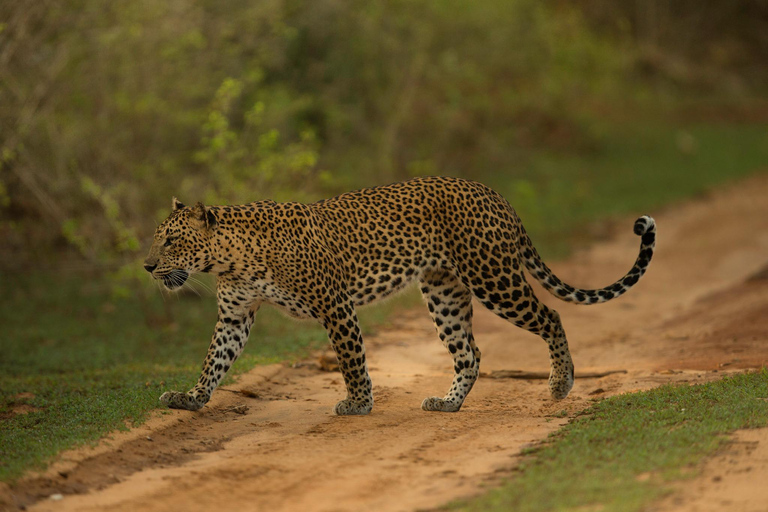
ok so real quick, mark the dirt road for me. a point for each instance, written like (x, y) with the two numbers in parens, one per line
(696, 315)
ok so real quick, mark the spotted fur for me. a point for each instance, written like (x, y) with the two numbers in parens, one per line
(457, 239)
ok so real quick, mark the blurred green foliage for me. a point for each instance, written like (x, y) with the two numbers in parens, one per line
(564, 199)
(107, 109)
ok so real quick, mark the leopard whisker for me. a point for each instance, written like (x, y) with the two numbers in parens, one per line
(189, 286)
(203, 285)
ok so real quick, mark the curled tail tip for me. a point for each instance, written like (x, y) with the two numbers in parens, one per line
(644, 224)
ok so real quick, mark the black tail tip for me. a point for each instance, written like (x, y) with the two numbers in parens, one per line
(644, 224)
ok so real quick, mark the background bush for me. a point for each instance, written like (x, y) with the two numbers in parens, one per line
(107, 109)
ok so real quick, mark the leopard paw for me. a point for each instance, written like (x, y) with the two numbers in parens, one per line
(350, 407)
(178, 400)
(560, 384)
(434, 403)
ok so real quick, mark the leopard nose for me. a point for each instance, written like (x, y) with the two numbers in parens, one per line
(150, 268)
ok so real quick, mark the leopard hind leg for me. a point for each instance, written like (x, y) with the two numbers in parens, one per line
(450, 305)
(511, 298)
(344, 334)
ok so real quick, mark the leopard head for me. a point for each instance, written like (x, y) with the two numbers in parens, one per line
(182, 245)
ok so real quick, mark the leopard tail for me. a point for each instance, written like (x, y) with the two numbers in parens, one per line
(645, 227)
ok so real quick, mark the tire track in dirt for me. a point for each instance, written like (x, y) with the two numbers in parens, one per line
(288, 452)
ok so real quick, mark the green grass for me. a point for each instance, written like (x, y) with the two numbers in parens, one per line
(88, 362)
(636, 169)
(598, 461)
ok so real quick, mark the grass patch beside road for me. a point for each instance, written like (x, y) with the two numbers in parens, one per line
(636, 169)
(621, 452)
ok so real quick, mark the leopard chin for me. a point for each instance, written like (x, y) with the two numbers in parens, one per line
(175, 279)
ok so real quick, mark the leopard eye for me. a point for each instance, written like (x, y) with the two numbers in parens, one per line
(168, 241)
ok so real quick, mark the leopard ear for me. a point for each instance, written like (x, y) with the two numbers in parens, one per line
(203, 214)
(176, 204)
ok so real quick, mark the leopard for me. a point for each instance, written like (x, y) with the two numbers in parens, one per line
(457, 239)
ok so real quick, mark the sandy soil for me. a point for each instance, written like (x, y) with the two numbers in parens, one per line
(698, 313)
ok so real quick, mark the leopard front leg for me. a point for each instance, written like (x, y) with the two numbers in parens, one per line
(229, 338)
(344, 334)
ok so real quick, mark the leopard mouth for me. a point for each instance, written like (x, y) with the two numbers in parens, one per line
(175, 278)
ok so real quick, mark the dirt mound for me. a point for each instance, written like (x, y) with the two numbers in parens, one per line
(725, 330)
(695, 315)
